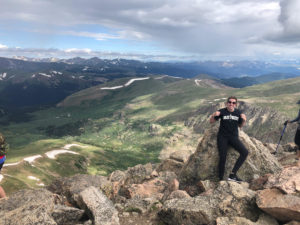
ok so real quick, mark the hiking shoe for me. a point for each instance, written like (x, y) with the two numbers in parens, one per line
(234, 177)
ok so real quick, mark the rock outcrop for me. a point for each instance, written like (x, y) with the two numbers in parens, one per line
(203, 164)
(283, 207)
(228, 198)
(37, 207)
(98, 206)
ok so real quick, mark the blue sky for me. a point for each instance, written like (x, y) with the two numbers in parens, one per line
(151, 30)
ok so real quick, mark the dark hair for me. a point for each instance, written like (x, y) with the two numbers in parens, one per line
(232, 97)
(298, 102)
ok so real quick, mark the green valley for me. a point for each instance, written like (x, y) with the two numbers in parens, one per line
(118, 128)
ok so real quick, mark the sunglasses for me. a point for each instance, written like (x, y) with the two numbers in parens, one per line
(230, 102)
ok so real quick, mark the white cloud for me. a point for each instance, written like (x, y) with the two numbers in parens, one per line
(76, 50)
(97, 36)
(189, 27)
(3, 46)
(290, 21)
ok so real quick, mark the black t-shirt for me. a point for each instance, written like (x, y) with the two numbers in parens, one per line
(229, 122)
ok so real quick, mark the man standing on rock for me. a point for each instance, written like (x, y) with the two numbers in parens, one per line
(231, 119)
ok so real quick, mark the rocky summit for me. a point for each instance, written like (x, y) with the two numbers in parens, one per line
(178, 191)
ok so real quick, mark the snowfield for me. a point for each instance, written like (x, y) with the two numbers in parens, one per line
(31, 159)
(52, 154)
(125, 85)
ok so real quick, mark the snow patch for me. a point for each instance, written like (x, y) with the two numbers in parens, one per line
(125, 85)
(45, 75)
(56, 72)
(52, 154)
(111, 88)
(11, 164)
(33, 178)
(132, 80)
(197, 82)
(32, 158)
(68, 146)
(176, 77)
(158, 78)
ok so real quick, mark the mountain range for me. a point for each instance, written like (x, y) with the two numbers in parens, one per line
(28, 84)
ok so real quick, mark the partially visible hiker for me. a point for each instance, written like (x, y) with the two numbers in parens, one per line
(231, 119)
(2, 193)
(297, 135)
(2, 160)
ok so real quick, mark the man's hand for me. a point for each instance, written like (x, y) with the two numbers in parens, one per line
(217, 113)
(212, 118)
(244, 119)
(243, 116)
(286, 122)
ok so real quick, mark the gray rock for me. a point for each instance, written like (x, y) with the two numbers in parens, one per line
(180, 156)
(64, 215)
(138, 174)
(72, 186)
(140, 205)
(117, 176)
(170, 165)
(264, 219)
(229, 198)
(283, 207)
(28, 207)
(99, 208)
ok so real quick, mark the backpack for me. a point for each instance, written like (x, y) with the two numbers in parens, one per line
(3, 145)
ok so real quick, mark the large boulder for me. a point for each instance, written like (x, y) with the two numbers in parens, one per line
(151, 188)
(263, 220)
(229, 198)
(283, 207)
(65, 215)
(70, 187)
(38, 206)
(138, 174)
(203, 164)
(99, 208)
(288, 180)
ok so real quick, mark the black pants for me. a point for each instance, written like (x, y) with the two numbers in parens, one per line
(223, 143)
